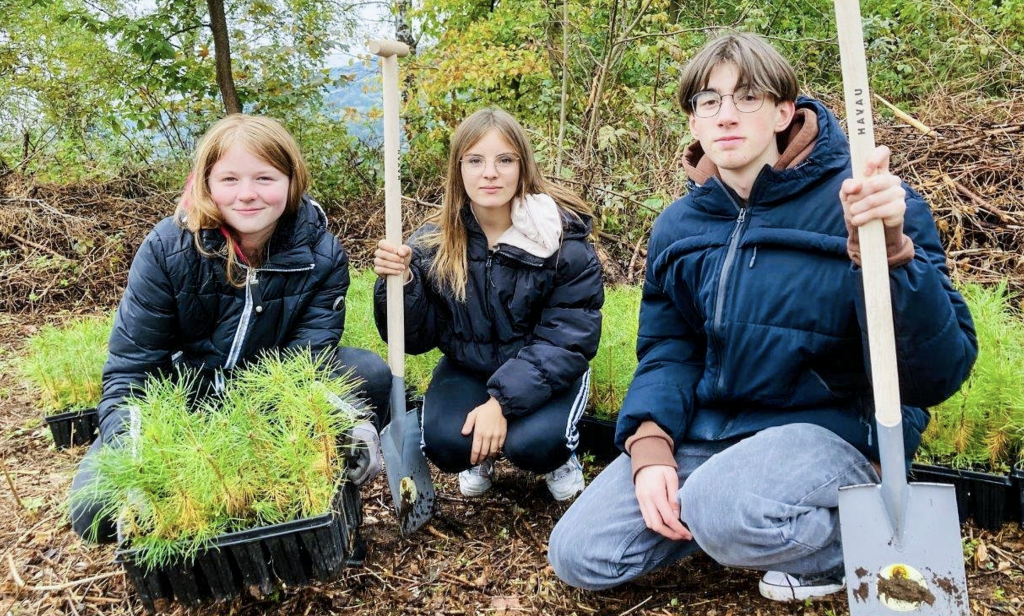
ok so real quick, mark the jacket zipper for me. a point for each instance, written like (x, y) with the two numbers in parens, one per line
(723, 279)
(487, 302)
(251, 278)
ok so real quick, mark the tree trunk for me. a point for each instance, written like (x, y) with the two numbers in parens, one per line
(222, 55)
(403, 29)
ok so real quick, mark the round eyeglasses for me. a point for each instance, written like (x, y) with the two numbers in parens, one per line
(503, 163)
(708, 103)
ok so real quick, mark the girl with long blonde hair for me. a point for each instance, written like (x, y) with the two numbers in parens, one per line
(245, 264)
(505, 282)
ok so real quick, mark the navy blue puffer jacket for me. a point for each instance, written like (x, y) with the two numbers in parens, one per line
(529, 325)
(178, 307)
(752, 314)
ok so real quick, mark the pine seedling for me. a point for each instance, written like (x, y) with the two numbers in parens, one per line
(980, 425)
(615, 362)
(65, 365)
(265, 452)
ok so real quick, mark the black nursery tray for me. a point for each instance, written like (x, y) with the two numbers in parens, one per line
(73, 428)
(258, 560)
(1017, 498)
(597, 437)
(984, 496)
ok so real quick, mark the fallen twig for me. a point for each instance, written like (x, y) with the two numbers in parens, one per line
(10, 484)
(899, 113)
(20, 583)
(985, 205)
(74, 583)
(29, 243)
(637, 606)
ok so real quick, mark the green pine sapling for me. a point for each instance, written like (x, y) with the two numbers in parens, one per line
(266, 451)
(65, 364)
(982, 425)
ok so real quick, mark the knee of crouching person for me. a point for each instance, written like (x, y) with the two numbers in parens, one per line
(715, 516)
(566, 558)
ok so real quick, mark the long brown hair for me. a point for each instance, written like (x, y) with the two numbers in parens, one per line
(264, 138)
(450, 265)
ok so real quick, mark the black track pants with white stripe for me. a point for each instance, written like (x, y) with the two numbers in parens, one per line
(538, 442)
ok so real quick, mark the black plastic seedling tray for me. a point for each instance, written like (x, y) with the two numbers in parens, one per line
(1017, 500)
(990, 495)
(73, 428)
(258, 560)
(983, 496)
(597, 437)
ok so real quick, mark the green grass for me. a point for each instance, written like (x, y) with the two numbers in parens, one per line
(361, 332)
(613, 367)
(982, 425)
(64, 364)
(264, 453)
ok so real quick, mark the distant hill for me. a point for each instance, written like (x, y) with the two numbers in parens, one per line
(361, 93)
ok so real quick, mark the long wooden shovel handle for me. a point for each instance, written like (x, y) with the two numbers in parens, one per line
(389, 52)
(878, 304)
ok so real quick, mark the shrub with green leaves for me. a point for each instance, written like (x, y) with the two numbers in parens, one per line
(65, 364)
(263, 453)
(982, 425)
(361, 332)
(613, 367)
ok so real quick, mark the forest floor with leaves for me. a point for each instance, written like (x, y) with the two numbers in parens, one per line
(62, 247)
(477, 556)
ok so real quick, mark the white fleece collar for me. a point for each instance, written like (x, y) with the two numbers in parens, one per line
(536, 226)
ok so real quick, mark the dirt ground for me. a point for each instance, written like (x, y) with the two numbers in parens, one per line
(483, 556)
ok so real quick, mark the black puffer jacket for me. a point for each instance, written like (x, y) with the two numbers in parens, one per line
(529, 324)
(178, 307)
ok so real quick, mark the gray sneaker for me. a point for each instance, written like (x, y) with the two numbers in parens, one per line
(477, 480)
(779, 586)
(566, 481)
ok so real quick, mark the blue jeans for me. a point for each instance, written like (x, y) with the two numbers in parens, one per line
(768, 501)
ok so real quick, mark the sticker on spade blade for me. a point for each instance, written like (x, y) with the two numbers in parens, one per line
(408, 490)
(902, 588)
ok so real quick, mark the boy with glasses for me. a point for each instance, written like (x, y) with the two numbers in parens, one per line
(751, 405)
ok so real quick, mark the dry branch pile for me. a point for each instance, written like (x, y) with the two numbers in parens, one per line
(970, 168)
(68, 246)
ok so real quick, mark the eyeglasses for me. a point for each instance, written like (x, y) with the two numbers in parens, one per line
(503, 163)
(708, 103)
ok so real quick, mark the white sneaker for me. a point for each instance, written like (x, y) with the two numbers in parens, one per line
(566, 481)
(476, 481)
(779, 586)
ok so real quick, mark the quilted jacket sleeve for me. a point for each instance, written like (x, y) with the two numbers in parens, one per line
(670, 352)
(422, 322)
(323, 320)
(935, 340)
(564, 340)
(145, 332)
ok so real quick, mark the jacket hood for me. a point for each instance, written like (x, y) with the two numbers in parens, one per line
(813, 145)
(523, 246)
(536, 226)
